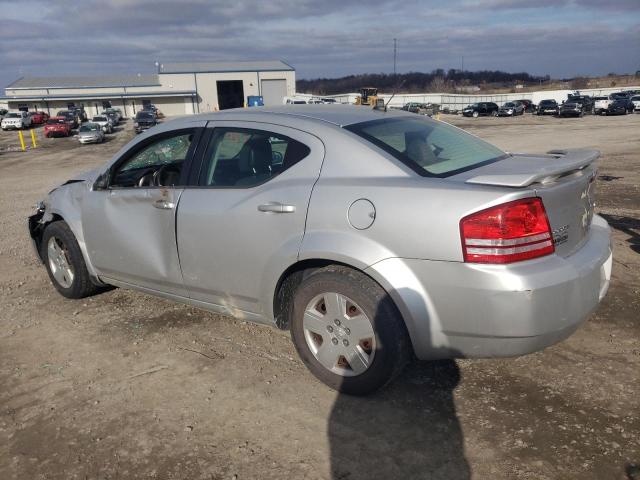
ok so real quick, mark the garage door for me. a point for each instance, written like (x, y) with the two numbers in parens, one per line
(274, 91)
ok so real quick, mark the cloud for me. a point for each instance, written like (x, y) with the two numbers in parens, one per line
(330, 38)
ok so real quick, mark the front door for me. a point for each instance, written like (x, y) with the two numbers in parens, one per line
(129, 227)
(245, 221)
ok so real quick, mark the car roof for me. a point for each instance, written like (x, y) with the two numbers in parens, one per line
(338, 115)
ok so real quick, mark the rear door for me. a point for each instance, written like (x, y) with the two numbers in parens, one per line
(242, 222)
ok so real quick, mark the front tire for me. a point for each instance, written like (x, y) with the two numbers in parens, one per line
(347, 330)
(64, 262)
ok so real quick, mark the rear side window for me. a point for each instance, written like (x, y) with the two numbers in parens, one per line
(239, 157)
(430, 148)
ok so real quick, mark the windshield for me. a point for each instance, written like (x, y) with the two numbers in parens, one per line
(509, 104)
(144, 116)
(99, 119)
(12, 115)
(89, 127)
(430, 148)
(54, 121)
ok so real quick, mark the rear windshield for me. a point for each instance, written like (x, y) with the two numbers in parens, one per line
(430, 148)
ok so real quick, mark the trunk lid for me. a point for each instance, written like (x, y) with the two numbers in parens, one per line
(564, 179)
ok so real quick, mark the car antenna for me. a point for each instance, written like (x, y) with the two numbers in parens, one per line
(395, 90)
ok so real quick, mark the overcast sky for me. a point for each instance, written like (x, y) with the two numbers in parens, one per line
(328, 38)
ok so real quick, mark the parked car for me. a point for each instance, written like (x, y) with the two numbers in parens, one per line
(104, 122)
(529, 106)
(617, 107)
(511, 109)
(73, 117)
(3, 112)
(144, 120)
(15, 121)
(481, 109)
(636, 103)
(90, 133)
(150, 108)
(585, 101)
(38, 117)
(628, 103)
(80, 113)
(421, 108)
(329, 221)
(601, 104)
(329, 101)
(113, 116)
(57, 127)
(571, 109)
(547, 107)
(115, 111)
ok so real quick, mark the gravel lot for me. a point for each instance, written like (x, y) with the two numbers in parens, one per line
(124, 385)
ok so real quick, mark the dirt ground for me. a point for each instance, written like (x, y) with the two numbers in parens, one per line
(124, 385)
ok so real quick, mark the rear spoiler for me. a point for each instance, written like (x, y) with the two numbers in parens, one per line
(522, 170)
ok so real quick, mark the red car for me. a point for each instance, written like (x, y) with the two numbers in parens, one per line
(57, 127)
(38, 118)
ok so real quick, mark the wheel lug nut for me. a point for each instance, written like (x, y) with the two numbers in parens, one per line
(345, 342)
(337, 322)
(329, 328)
(334, 340)
(347, 331)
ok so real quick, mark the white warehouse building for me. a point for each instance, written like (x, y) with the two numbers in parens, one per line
(177, 89)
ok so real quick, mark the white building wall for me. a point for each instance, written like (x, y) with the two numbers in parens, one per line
(458, 101)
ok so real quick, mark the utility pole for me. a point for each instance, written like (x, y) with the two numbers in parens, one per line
(395, 55)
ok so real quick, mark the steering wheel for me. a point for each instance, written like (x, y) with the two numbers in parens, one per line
(160, 175)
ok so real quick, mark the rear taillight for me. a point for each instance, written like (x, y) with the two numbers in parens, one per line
(506, 233)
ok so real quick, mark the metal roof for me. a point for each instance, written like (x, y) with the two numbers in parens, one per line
(99, 96)
(221, 67)
(103, 81)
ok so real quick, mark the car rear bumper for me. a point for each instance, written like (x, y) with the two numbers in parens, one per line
(455, 309)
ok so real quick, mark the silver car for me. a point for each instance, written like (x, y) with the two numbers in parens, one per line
(371, 235)
(90, 133)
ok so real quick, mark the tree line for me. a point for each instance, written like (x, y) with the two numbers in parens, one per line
(437, 80)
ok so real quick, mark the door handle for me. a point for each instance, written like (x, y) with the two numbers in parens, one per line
(164, 205)
(276, 207)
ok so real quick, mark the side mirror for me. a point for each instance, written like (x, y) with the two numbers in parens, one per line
(102, 182)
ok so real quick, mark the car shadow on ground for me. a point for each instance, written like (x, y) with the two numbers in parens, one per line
(407, 430)
(628, 225)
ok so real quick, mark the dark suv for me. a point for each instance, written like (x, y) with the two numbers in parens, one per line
(144, 120)
(481, 108)
(547, 107)
(585, 101)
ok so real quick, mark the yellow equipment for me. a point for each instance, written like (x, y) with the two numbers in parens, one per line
(368, 96)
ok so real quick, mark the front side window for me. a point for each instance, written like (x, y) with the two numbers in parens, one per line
(430, 148)
(239, 157)
(157, 164)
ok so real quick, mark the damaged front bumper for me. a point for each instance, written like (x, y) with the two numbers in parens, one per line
(36, 226)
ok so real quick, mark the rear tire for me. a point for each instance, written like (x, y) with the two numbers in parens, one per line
(347, 330)
(64, 262)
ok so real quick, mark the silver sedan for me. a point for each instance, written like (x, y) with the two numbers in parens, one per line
(372, 236)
